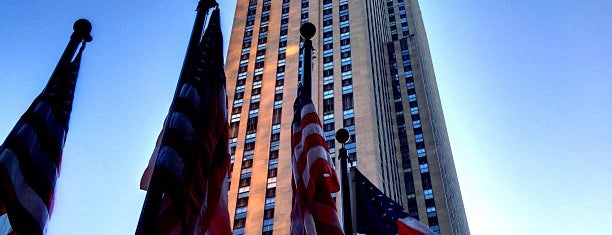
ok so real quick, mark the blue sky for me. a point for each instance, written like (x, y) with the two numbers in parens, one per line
(525, 87)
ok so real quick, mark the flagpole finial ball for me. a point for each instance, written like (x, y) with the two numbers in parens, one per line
(342, 136)
(82, 27)
(308, 30)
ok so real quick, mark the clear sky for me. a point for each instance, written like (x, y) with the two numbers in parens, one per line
(525, 85)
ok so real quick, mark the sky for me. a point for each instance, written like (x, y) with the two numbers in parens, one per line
(525, 87)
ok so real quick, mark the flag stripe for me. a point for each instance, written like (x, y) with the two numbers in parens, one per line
(27, 197)
(52, 129)
(50, 142)
(171, 160)
(411, 226)
(20, 218)
(189, 109)
(175, 140)
(308, 165)
(190, 93)
(46, 168)
(40, 177)
(179, 122)
(32, 176)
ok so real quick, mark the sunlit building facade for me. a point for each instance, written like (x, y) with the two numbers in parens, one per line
(372, 75)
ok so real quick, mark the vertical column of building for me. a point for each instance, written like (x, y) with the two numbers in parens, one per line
(304, 10)
(248, 155)
(275, 132)
(242, 197)
(328, 80)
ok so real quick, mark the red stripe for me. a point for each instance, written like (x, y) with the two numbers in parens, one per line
(310, 118)
(403, 229)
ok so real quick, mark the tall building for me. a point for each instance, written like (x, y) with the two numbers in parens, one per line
(372, 75)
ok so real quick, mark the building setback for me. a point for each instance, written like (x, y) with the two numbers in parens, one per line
(372, 75)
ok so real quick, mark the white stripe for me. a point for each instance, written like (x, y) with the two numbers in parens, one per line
(313, 129)
(297, 151)
(170, 159)
(309, 223)
(26, 196)
(56, 130)
(295, 169)
(309, 108)
(181, 123)
(41, 160)
(191, 93)
(315, 153)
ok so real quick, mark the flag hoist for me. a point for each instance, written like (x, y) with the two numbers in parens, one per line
(186, 179)
(31, 155)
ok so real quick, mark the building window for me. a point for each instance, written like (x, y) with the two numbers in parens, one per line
(243, 191)
(347, 101)
(268, 224)
(328, 106)
(431, 212)
(246, 173)
(271, 182)
(240, 213)
(269, 203)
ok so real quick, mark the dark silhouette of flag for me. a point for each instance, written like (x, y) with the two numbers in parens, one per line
(192, 158)
(314, 179)
(378, 214)
(31, 155)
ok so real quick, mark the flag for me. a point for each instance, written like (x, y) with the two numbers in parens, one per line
(314, 179)
(192, 157)
(378, 214)
(31, 155)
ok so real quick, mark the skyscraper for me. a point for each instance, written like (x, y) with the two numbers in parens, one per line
(372, 75)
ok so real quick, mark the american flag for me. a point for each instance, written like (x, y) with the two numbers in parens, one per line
(314, 179)
(378, 214)
(192, 158)
(31, 155)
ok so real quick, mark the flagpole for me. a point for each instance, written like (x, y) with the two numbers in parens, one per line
(342, 136)
(81, 34)
(307, 30)
(196, 36)
(82, 30)
(153, 200)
